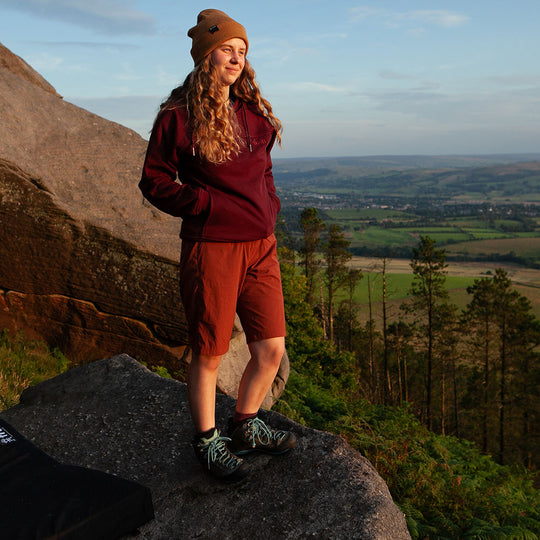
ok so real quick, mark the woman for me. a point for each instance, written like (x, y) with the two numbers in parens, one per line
(214, 133)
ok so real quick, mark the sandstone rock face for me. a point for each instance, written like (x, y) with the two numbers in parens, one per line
(116, 416)
(15, 64)
(84, 263)
(80, 288)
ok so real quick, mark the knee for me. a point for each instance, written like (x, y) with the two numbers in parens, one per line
(204, 362)
(279, 351)
(269, 352)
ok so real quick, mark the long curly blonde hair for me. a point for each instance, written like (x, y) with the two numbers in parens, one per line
(215, 131)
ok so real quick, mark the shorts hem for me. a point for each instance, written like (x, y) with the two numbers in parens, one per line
(254, 339)
(204, 351)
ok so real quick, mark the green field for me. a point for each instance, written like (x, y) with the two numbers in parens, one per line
(526, 282)
(377, 236)
(521, 246)
(379, 228)
(367, 214)
(398, 285)
(468, 237)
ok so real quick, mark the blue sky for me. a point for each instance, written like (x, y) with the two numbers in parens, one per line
(345, 77)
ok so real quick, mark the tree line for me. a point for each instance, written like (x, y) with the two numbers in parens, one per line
(472, 372)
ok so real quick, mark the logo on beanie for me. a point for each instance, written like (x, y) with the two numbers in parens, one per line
(213, 29)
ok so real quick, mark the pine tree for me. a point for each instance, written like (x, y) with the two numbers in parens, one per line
(504, 335)
(387, 382)
(428, 293)
(351, 281)
(400, 341)
(346, 319)
(286, 242)
(337, 256)
(518, 336)
(478, 324)
(312, 226)
(370, 327)
(447, 354)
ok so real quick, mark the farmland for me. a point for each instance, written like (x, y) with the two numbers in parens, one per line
(515, 238)
(484, 211)
(459, 277)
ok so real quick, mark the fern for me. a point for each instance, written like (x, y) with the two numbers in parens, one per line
(482, 530)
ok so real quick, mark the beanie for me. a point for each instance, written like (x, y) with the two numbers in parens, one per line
(213, 28)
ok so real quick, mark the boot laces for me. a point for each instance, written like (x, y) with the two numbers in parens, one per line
(259, 430)
(217, 451)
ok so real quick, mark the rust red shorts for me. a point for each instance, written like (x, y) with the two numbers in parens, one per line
(219, 279)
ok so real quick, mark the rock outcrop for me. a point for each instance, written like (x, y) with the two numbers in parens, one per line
(116, 416)
(84, 263)
(16, 65)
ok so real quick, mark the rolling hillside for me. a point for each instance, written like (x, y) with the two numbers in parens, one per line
(458, 179)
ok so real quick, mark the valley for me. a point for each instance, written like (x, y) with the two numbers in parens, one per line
(483, 210)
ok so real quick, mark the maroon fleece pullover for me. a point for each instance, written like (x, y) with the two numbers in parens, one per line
(234, 201)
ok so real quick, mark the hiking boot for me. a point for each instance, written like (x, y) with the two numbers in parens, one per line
(216, 459)
(253, 435)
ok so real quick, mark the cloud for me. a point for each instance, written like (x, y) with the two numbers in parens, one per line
(438, 17)
(434, 17)
(317, 87)
(496, 109)
(423, 122)
(110, 17)
(90, 45)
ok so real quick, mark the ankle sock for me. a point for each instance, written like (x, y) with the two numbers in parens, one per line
(240, 417)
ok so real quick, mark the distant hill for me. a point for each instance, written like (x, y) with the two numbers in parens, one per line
(399, 162)
(463, 179)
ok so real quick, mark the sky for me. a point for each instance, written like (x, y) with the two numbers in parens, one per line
(346, 78)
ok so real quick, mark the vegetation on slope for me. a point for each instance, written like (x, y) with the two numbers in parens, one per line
(370, 387)
(445, 486)
(24, 362)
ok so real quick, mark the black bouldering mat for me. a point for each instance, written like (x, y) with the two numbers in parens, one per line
(41, 498)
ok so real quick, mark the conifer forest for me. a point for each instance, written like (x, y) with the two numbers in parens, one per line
(442, 399)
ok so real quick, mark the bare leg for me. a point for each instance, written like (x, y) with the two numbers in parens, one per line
(201, 383)
(259, 373)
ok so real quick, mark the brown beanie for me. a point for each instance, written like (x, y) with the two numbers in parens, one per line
(213, 27)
